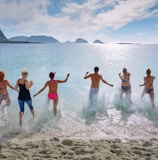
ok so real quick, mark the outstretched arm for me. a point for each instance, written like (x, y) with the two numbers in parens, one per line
(42, 89)
(65, 80)
(142, 84)
(104, 81)
(14, 88)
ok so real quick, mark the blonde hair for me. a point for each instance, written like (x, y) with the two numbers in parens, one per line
(1, 75)
(24, 72)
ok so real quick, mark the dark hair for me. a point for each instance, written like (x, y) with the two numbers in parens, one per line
(96, 69)
(148, 71)
(124, 70)
(51, 75)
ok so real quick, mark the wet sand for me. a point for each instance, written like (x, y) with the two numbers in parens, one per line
(54, 148)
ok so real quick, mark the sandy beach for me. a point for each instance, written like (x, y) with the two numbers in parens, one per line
(68, 148)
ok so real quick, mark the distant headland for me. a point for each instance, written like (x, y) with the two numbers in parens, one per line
(38, 39)
(41, 39)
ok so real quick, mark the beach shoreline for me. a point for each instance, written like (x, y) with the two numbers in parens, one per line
(78, 148)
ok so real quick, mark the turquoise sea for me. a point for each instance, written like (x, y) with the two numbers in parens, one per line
(114, 117)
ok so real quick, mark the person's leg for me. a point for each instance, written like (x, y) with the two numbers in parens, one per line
(20, 118)
(151, 94)
(1, 108)
(143, 93)
(8, 102)
(129, 96)
(93, 95)
(96, 95)
(21, 104)
(29, 103)
(1, 101)
(55, 103)
(121, 93)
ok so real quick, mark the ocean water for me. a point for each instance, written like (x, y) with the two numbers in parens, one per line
(113, 118)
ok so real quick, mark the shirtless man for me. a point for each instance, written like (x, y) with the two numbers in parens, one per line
(95, 81)
(53, 87)
(4, 95)
(148, 89)
(125, 84)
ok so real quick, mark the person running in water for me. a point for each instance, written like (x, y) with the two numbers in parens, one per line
(148, 89)
(95, 81)
(52, 84)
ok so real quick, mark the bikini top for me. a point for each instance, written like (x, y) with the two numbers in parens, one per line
(53, 80)
(125, 80)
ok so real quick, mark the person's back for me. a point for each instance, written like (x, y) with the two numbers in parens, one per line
(4, 95)
(53, 86)
(24, 94)
(148, 89)
(95, 80)
(3, 86)
(149, 81)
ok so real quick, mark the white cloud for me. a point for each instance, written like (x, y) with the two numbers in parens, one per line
(85, 20)
(124, 13)
(15, 12)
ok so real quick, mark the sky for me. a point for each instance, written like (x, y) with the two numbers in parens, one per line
(134, 21)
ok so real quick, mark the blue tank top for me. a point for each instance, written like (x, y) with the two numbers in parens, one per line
(24, 94)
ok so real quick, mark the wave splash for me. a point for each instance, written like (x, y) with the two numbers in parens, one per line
(110, 117)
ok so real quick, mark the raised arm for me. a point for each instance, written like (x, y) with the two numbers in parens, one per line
(65, 80)
(42, 89)
(28, 85)
(120, 76)
(86, 75)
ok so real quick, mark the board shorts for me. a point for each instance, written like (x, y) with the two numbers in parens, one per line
(93, 94)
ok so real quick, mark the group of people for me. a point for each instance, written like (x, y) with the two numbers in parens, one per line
(148, 85)
(23, 85)
(125, 85)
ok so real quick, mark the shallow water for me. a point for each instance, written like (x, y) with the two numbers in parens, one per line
(114, 117)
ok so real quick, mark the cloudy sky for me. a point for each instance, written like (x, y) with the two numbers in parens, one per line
(107, 20)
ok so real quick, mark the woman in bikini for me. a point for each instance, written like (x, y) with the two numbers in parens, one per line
(53, 87)
(125, 85)
(3, 91)
(148, 89)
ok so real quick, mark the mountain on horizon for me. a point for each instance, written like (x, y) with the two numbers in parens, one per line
(38, 39)
(3, 37)
(98, 41)
(81, 40)
(34, 39)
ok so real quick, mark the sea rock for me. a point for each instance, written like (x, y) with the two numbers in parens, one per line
(67, 142)
(80, 40)
(98, 41)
